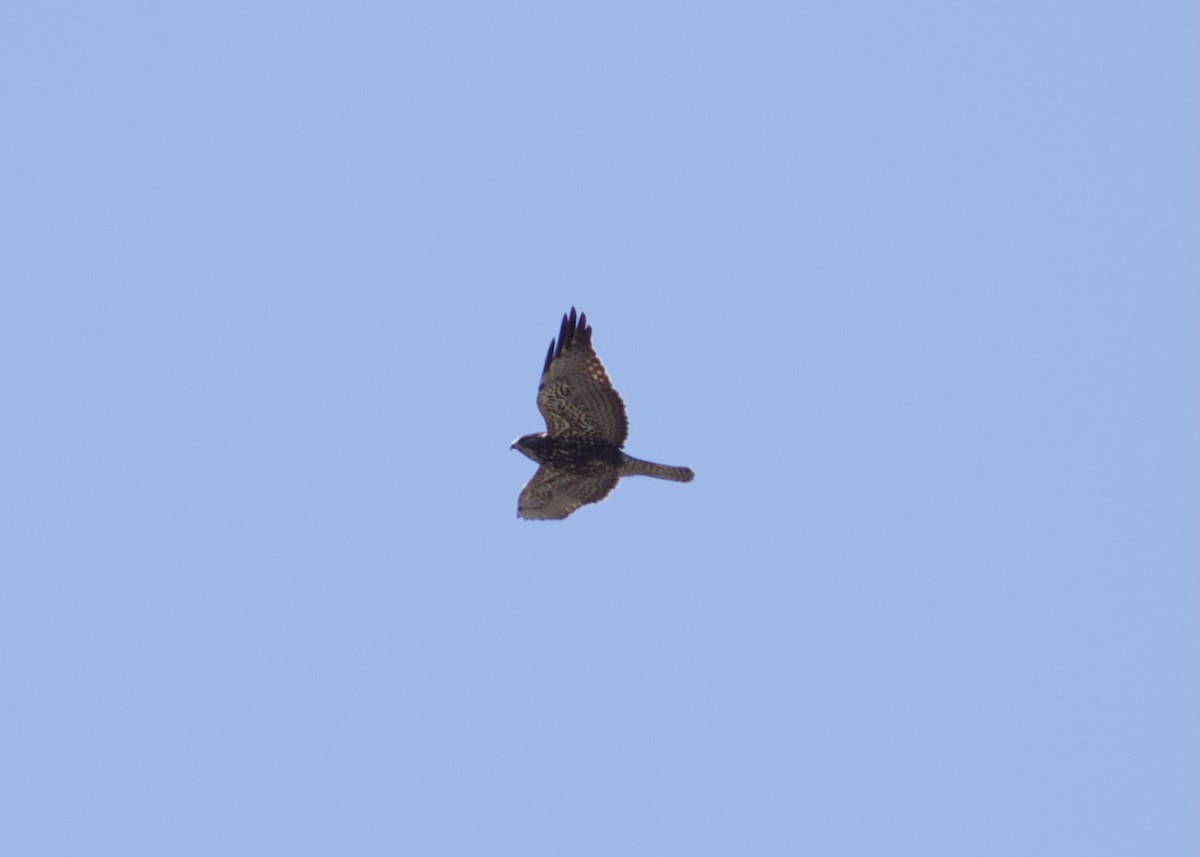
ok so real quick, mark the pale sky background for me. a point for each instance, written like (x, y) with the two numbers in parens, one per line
(912, 287)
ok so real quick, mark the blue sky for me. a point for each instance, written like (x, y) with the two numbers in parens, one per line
(911, 287)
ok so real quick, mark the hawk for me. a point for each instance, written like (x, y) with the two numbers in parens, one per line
(580, 451)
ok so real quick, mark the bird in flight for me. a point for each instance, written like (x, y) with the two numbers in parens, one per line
(580, 453)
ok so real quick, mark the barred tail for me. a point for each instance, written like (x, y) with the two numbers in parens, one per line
(631, 466)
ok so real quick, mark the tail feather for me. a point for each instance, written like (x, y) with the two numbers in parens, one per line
(631, 466)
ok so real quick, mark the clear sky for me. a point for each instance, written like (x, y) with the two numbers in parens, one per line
(911, 287)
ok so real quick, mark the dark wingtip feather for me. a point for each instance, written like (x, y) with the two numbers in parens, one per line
(564, 333)
(574, 327)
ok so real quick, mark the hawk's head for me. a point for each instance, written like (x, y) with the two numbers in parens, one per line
(531, 446)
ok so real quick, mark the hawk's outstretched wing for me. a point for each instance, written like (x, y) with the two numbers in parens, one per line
(575, 395)
(554, 493)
